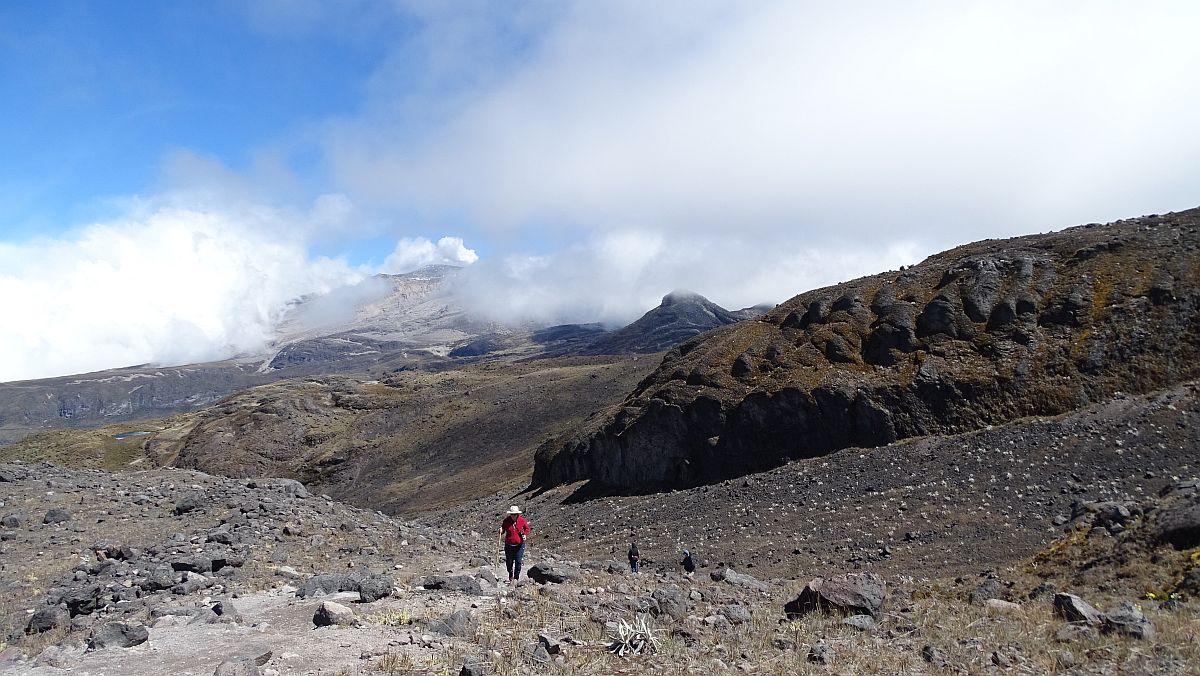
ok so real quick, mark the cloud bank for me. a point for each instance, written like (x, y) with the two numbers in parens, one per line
(616, 276)
(175, 286)
(946, 121)
(416, 252)
(605, 153)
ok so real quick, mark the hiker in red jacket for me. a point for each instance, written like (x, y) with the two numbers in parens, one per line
(515, 530)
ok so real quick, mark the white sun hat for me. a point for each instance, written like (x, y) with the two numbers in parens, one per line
(514, 510)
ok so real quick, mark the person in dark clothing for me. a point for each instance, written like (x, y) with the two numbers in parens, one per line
(635, 558)
(515, 531)
(689, 565)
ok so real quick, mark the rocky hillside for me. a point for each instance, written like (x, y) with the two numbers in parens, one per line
(413, 440)
(177, 572)
(975, 336)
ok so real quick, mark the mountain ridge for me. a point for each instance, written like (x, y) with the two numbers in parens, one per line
(977, 335)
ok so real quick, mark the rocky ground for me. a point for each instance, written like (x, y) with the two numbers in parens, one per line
(940, 555)
(926, 507)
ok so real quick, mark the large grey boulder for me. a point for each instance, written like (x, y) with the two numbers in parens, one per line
(548, 572)
(671, 602)
(327, 583)
(15, 520)
(334, 614)
(376, 587)
(459, 583)
(81, 600)
(461, 624)
(118, 635)
(159, 578)
(1128, 620)
(853, 594)
(1074, 609)
(191, 502)
(731, 576)
(1177, 523)
(56, 515)
(47, 618)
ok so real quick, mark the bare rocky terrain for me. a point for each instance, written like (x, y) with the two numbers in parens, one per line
(978, 335)
(986, 463)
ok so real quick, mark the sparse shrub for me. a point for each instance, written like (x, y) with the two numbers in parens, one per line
(396, 663)
(636, 638)
(391, 618)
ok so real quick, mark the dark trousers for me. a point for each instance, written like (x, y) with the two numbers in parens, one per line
(513, 556)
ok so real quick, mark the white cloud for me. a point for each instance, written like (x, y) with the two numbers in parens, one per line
(615, 277)
(949, 120)
(172, 286)
(415, 252)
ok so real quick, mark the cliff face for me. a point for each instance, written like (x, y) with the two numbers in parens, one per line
(977, 335)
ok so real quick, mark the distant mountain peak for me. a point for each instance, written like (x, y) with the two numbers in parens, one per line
(435, 271)
(682, 296)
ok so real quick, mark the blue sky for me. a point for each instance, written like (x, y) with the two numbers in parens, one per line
(584, 157)
(99, 93)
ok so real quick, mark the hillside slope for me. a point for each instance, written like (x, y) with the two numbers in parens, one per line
(412, 441)
(978, 335)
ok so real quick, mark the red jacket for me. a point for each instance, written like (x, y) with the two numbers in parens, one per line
(514, 527)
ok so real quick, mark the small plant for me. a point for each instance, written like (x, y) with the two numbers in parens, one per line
(391, 618)
(393, 663)
(637, 638)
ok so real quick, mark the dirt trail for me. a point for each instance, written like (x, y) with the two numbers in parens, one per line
(278, 622)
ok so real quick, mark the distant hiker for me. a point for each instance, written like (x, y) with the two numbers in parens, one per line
(515, 530)
(635, 558)
(689, 566)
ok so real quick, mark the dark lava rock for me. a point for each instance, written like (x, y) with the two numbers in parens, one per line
(991, 589)
(118, 635)
(459, 583)
(547, 572)
(82, 600)
(1074, 609)
(856, 594)
(1128, 620)
(191, 502)
(671, 602)
(327, 583)
(57, 515)
(1191, 583)
(15, 520)
(1178, 522)
(45, 619)
(159, 578)
(736, 614)
(461, 624)
(376, 587)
